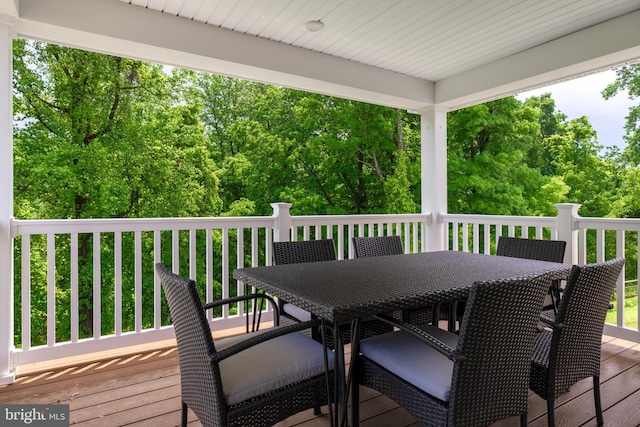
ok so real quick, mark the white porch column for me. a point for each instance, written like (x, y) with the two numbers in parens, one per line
(7, 373)
(433, 126)
(282, 221)
(567, 213)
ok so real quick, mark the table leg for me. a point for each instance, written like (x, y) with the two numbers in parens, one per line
(353, 372)
(339, 374)
(344, 377)
(323, 336)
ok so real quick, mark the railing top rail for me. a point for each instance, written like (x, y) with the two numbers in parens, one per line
(538, 221)
(358, 219)
(626, 224)
(105, 225)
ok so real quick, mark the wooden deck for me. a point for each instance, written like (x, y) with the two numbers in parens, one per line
(143, 389)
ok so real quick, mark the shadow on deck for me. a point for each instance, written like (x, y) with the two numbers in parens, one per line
(143, 389)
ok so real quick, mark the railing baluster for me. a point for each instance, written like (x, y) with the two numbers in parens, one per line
(137, 236)
(340, 240)
(193, 255)
(75, 303)
(582, 246)
(225, 270)
(97, 287)
(620, 284)
(600, 245)
(51, 289)
(209, 294)
(268, 246)
(254, 246)
(416, 238)
(117, 263)
(175, 251)
(157, 293)
(487, 238)
(26, 293)
(638, 278)
(240, 264)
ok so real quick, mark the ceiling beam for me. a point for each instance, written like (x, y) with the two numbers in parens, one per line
(9, 8)
(120, 29)
(593, 49)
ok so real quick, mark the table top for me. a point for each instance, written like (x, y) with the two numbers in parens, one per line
(347, 289)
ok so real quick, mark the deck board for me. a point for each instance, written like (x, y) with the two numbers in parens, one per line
(143, 389)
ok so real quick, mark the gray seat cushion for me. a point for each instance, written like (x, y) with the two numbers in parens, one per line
(297, 312)
(303, 315)
(269, 366)
(413, 360)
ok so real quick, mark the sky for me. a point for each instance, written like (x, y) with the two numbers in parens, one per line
(582, 97)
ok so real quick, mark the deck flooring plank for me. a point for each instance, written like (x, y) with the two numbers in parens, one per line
(142, 389)
(626, 413)
(131, 415)
(614, 362)
(32, 378)
(581, 409)
(109, 379)
(393, 417)
(128, 392)
(125, 403)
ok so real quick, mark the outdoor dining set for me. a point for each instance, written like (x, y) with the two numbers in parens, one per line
(455, 338)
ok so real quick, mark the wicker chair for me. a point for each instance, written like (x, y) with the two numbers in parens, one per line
(471, 379)
(570, 351)
(365, 247)
(244, 380)
(377, 246)
(541, 250)
(317, 251)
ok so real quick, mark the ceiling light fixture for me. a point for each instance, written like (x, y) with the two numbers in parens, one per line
(314, 26)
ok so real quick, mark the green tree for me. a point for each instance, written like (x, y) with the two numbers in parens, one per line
(323, 154)
(99, 136)
(626, 203)
(489, 147)
(592, 180)
(628, 78)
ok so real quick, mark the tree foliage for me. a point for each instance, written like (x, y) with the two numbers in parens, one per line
(99, 136)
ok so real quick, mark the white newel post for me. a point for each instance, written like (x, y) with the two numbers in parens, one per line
(567, 214)
(433, 128)
(282, 221)
(7, 373)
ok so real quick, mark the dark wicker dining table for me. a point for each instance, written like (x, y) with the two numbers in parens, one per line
(345, 290)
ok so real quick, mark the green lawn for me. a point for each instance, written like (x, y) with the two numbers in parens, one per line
(630, 312)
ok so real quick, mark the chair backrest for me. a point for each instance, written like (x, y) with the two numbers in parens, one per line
(491, 379)
(541, 250)
(303, 251)
(200, 376)
(576, 345)
(377, 246)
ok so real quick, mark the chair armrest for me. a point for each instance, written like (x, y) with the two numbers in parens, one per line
(232, 300)
(551, 321)
(213, 304)
(414, 331)
(264, 336)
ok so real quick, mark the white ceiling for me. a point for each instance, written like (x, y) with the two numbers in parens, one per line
(430, 40)
(405, 53)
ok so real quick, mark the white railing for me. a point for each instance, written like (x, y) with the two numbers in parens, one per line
(88, 285)
(589, 240)
(93, 264)
(601, 239)
(480, 233)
